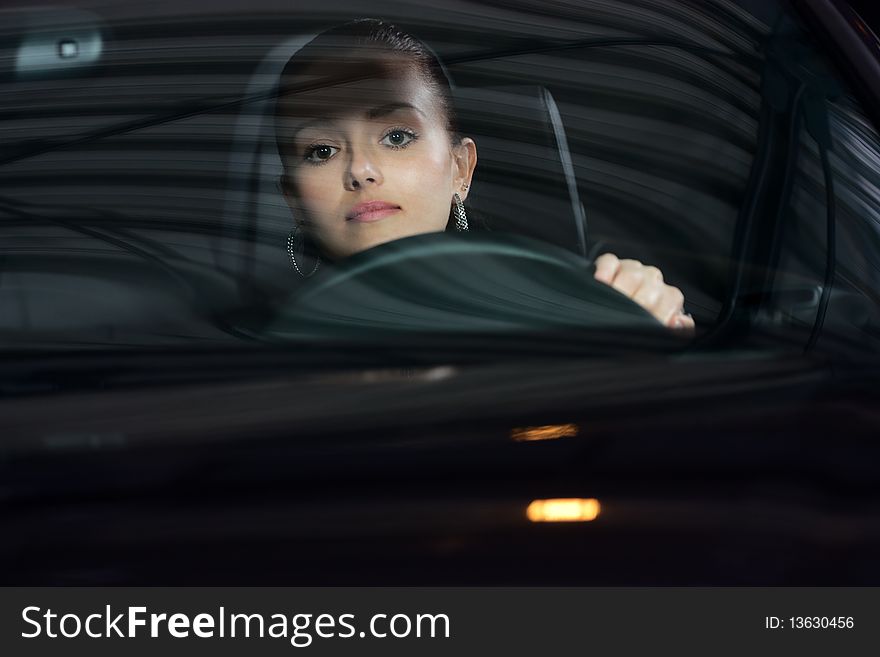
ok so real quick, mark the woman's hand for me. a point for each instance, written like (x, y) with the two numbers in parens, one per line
(645, 286)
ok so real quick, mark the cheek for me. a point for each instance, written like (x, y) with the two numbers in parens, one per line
(318, 191)
(429, 182)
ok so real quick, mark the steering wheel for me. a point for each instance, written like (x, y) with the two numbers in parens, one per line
(458, 283)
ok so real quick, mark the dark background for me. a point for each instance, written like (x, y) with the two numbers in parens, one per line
(869, 11)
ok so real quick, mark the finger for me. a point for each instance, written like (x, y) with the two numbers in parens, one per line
(607, 265)
(684, 322)
(670, 306)
(650, 295)
(653, 274)
(629, 278)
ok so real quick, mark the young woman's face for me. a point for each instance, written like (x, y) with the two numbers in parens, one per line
(369, 160)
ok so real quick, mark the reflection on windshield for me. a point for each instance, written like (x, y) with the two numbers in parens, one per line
(563, 510)
(149, 205)
(548, 432)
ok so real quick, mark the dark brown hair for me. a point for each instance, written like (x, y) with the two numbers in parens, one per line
(373, 36)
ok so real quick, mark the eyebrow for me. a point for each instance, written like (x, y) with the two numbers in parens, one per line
(384, 110)
(375, 113)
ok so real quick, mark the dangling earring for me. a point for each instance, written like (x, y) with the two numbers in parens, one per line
(461, 222)
(296, 245)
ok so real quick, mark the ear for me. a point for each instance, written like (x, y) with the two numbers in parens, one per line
(465, 160)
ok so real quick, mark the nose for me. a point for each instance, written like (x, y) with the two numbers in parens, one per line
(362, 170)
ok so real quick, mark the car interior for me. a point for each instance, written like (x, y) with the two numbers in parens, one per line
(163, 213)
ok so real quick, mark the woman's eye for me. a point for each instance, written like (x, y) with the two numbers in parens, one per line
(320, 153)
(398, 138)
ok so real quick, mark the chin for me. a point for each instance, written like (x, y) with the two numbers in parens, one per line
(369, 244)
(381, 238)
(377, 234)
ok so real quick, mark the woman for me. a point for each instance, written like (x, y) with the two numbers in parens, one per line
(371, 154)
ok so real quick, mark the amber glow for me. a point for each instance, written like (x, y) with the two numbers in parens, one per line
(574, 509)
(547, 432)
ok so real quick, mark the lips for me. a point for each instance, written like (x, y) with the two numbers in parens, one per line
(371, 211)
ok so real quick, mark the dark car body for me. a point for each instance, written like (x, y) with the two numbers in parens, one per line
(156, 428)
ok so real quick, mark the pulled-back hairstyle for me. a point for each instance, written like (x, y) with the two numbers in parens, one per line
(372, 36)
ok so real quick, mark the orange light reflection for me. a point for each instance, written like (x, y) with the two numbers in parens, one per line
(547, 432)
(574, 509)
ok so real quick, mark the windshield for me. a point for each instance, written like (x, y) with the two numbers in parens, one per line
(144, 201)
